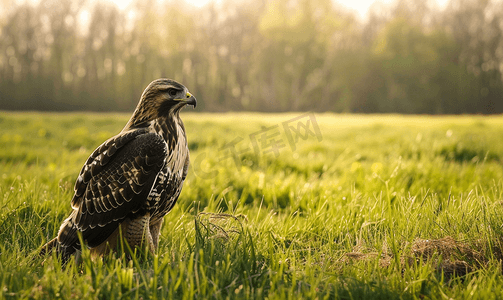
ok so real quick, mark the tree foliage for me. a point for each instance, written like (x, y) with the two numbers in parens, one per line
(268, 55)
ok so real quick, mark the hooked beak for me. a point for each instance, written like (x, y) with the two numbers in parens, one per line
(190, 100)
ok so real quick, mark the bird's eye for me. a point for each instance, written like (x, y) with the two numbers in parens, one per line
(172, 92)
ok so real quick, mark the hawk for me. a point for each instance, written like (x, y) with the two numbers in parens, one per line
(132, 180)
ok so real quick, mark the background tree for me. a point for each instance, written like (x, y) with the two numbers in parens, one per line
(268, 55)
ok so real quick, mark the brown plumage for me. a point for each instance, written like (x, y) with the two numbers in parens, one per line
(133, 179)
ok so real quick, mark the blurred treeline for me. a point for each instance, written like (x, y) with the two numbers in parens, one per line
(263, 55)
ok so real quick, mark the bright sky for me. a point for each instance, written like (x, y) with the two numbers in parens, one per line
(361, 6)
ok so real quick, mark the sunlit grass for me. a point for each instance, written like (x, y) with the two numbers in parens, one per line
(383, 207)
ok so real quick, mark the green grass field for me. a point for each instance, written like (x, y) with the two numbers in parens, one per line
(370, 207)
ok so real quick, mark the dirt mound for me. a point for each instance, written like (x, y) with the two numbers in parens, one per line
(447, 255)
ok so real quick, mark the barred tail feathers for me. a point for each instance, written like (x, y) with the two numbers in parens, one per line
(48, 248)
(66, 243)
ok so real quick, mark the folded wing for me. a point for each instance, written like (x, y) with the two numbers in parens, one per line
(113, 185)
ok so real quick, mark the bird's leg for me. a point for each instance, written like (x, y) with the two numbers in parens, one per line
(138, 232)
(155, 231)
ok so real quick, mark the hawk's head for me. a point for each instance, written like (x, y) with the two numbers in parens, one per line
(161, 98)
(166, 95)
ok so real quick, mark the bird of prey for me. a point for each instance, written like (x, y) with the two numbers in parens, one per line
(132, 180)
